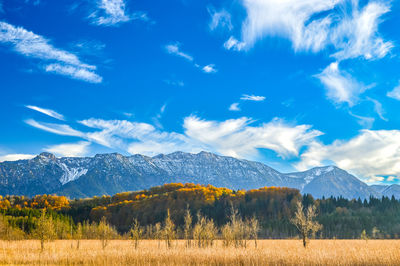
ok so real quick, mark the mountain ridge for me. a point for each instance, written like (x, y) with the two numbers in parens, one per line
(113, 173)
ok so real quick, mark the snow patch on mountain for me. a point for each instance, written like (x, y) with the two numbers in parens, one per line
(71, 174)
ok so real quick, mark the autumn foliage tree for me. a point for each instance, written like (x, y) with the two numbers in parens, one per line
(45, 230)
(187, 230)
(136, 233)
(105, 232)
(168, 230)
(304, 220)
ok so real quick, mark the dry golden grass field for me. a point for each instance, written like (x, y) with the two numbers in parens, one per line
(269, 252)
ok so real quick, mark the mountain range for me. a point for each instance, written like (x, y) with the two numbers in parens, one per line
(107, 174)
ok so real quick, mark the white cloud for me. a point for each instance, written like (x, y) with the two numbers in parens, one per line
(233, 137)
(357, 34)
(156, 119)
(32, 45)
(220, 19)
(78, 149)
(110, 13)
(395, 93)
(340, 86)
(143, 16)
(378, 108)
(74, 72)
(246, 97)
(15, 157)
(234, 44)
(59, 129)
(392, 178)
(364, 121)
(374, 180)
(174, 49)
(290, 19)
(313, 25)
(48, 112)
(209, 68)
(236, 137)
(178, 83)
(234, 107)
(113, 132)
(370, 154)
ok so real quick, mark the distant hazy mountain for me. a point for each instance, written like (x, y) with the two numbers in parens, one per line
(333, 181)
(388, 190)
(113, 173)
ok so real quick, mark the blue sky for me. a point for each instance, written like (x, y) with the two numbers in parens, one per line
(294, 84)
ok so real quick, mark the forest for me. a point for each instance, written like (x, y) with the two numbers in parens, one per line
(271, 207)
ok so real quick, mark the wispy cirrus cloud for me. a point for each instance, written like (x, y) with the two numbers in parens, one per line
(58, 61)
(157, 118)
(219, 19)
(75, 73)
(233, 137)
(346, 29)
(246, 97)
(371, 154)
(340, 86)
(286, 19)
(357, 35)
(59, 129)
(114, 13)
(313, 25)
(239, 138)
(175, 49)
(395, 93)
(378, 108)
(110, 12)
(365, 121)
(45, 111)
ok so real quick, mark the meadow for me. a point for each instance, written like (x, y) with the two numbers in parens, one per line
(153, 252)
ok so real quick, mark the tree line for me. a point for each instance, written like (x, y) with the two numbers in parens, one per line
(201, 214)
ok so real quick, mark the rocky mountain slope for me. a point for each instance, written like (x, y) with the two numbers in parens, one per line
(113, 173)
